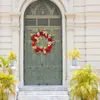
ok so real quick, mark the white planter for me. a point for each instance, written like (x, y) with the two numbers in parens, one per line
(74, 62)
(12, 63)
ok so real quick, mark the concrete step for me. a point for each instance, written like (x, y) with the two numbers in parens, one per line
(45, 94)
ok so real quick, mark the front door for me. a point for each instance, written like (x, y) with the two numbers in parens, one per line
(42, 69)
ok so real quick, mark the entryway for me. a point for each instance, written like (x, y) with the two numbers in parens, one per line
(42, 69)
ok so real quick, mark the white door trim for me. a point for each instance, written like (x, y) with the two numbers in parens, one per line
(64, 39)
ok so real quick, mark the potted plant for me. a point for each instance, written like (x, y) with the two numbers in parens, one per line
(12, 58)
(84, 84)
(7, 80)
(6, 64)
(7, 84)
(74, 54)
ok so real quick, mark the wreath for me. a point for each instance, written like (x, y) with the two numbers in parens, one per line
(36, 39)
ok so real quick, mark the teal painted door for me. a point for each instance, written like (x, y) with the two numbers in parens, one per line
(42, 69)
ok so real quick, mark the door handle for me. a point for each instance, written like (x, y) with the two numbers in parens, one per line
(42, 64)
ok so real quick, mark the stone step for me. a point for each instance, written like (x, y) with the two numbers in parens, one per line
(45, 94)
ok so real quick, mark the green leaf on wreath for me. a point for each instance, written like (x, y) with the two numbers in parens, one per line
(37, 30)
(40, 37)
(46, 33)
(52, 50)
(38, 41)
(44, 47)
(41, 46)
(53, 35)
(31, 34)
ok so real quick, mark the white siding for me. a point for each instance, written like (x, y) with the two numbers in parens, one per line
(93, 33)
(5, 27)
(87, 31)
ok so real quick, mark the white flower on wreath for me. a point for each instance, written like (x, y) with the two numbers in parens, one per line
(38, 34)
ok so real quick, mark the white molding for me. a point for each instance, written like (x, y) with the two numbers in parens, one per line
(15, 39)
(17, 14)
(62, 4)
(88, 13)
(70, 14)
(5, 14)
(79, 5)
(70, 35)
(85, 5)
(92, 5)
(10, 14)
(26, 4)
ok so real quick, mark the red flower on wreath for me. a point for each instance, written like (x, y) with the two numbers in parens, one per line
(37, 49)
(35, 38)
(48, 49)
(33, 44)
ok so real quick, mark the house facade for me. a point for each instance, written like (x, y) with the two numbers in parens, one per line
(75, 23)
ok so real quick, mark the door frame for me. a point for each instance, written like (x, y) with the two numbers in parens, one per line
(64, 40)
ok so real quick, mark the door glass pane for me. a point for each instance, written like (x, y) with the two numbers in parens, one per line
(30, 22)
(42, 22)
(55, 22)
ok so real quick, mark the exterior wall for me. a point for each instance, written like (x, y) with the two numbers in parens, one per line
(9, 28)
(82, 26)
(5, 27)
(87, 31)
(8, 32)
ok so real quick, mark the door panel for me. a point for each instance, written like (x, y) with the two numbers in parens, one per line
(40, 69)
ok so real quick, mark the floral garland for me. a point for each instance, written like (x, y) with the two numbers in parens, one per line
(35, 39)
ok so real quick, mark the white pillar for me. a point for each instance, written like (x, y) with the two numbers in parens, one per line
(69, 36)
(15, 39)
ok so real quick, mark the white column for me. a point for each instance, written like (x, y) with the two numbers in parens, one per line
(16, 40)
(69, 37)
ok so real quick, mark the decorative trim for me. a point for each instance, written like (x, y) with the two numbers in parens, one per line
(89, 13)
(70, 15)
(10, 14)
(63, 5)
(78, 5)
(35, 39)
(92, 5)
(84, 5)
(22, 9)
(36, 0)
(15, 14)
(5, 14)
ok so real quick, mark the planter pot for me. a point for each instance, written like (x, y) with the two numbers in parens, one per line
(74, 62)
(12, 63)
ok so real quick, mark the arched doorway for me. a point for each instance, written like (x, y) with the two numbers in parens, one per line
(40, 69)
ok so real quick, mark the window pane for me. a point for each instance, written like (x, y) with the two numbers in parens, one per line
(55, 22)
(43, 22)
(30, 22)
